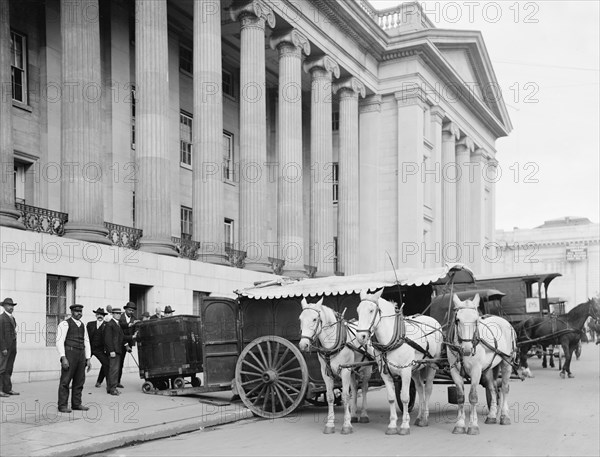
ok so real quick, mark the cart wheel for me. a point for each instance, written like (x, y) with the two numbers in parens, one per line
(412, 392)
(147, 387)
(271, 377)
(161, 384)
(196, 381)
(178, 383)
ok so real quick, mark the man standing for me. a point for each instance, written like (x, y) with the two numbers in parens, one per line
(127, 322)
(73, 345)
(169, 311)
(157, 313)
(95, 331)
(113, 342)
(8, 347)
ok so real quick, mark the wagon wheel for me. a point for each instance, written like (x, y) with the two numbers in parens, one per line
(412, 392)
(147, 387)
(178, 383)
(271, 377)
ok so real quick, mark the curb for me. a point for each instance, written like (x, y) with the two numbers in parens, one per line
(148, 433)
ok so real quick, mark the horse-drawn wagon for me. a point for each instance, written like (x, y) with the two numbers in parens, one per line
(250, 344)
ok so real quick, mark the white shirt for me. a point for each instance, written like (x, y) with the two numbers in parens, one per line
(61, 335)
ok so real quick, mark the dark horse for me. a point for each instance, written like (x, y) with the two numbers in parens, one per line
(565, 329)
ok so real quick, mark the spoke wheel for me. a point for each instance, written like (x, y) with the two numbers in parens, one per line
(271, 377)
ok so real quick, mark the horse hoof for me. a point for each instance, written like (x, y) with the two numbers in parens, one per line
(391, 431)
(504, 420)
(473, 431)
(491, 420)
(363, 420)
(458, 430)
(328, 430)
(354, 420)
(562, 374)
(421, 422)
(571, 375)
(346, 430)
(404, 431)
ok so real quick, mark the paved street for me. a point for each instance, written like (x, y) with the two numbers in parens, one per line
(550, 416)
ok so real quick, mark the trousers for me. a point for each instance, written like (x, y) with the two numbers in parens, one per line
(75, 374)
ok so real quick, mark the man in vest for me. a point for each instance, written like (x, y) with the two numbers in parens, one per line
(114, 346)
(95, 331)
(8, 347)
(73, 346)
(127, 322)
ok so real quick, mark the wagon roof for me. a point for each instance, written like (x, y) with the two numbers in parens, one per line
(529, 276)
(338, 285)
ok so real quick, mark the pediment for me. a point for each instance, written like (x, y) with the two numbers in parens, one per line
(462, 62)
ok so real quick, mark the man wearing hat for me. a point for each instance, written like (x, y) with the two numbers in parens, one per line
(73, 346)
(8, 347)
(114, 346)
(127, 322)
(169, 311)
(95, 331)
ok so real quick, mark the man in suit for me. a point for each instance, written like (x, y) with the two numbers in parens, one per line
(114, 345)
(95, 331)
(8, 347)
(127, 322)
(73, 346)
(169, 311)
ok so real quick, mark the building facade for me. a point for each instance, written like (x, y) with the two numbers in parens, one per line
(158, 151)
(569, 246)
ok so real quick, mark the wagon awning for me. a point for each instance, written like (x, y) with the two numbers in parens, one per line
(338, 285)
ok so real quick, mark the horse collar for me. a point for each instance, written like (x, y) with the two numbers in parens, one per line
(397, 338)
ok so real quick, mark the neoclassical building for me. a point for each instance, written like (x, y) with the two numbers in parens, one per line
(159, 151)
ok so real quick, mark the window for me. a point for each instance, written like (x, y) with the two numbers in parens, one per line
(185, 138)
(227, 82)
(19, 188)
(228, 235)
(335, 172)
(227, 156)
(335, 121)
(18, 51)
(133, 210)
(133, 117)
(186, 59)
(335, 254)
(186, 223)
(60, 295)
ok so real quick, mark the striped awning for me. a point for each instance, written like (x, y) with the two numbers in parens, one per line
(337, 285)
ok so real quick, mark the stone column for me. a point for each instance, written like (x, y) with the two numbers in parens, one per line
(253, 135)
(491, 176)
(348, 212)
(8, 213)
(450, 134)
(81, 183)
(478, 208)
(322, 69)
(153, 186)
(207, 163)
(437, 117)
(290, 238)
(463, 198)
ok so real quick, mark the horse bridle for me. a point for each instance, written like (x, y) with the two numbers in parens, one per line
(475, 337)
(312, 338)
(377, 314)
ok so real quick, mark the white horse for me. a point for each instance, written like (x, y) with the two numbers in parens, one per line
(333, 338)
(480, 346)
(401, 344)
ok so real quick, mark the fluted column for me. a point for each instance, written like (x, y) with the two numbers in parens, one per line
(8, 212)
(478, 216)
(322, 70)
(253, 136)
(437, 117)
(153, 186)
(464, 148)
(207, 185)
(450, 134)
(81, 183)
(290, 214)
(348, 211)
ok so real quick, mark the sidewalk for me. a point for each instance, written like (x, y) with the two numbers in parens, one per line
(30, 424)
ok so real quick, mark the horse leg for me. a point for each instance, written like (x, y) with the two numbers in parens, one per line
(366, 375)
(475, 378)
(459, 426)
(524, 365)
(406, 375)
(330, 424)
(353, 397)
(420, 388)
(504, 388)
(348, 389)
(427, 375)
(568, 349)
(490, 385)
(391, 395)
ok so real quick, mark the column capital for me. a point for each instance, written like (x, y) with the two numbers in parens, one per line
(465, 144)
(437, 114)
(411, 96)
(370, 104)
(291, 37)
(350, 84)
(256, 8)
(325, 63)
(450, 129)
(479, 153)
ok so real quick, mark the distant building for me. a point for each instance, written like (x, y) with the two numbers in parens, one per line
(569, 245)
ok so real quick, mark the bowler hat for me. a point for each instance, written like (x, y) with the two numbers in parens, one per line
(131, 305)
(8, 301)
(76, 307)
(168, 309)
(100, 311)
(116, 310)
